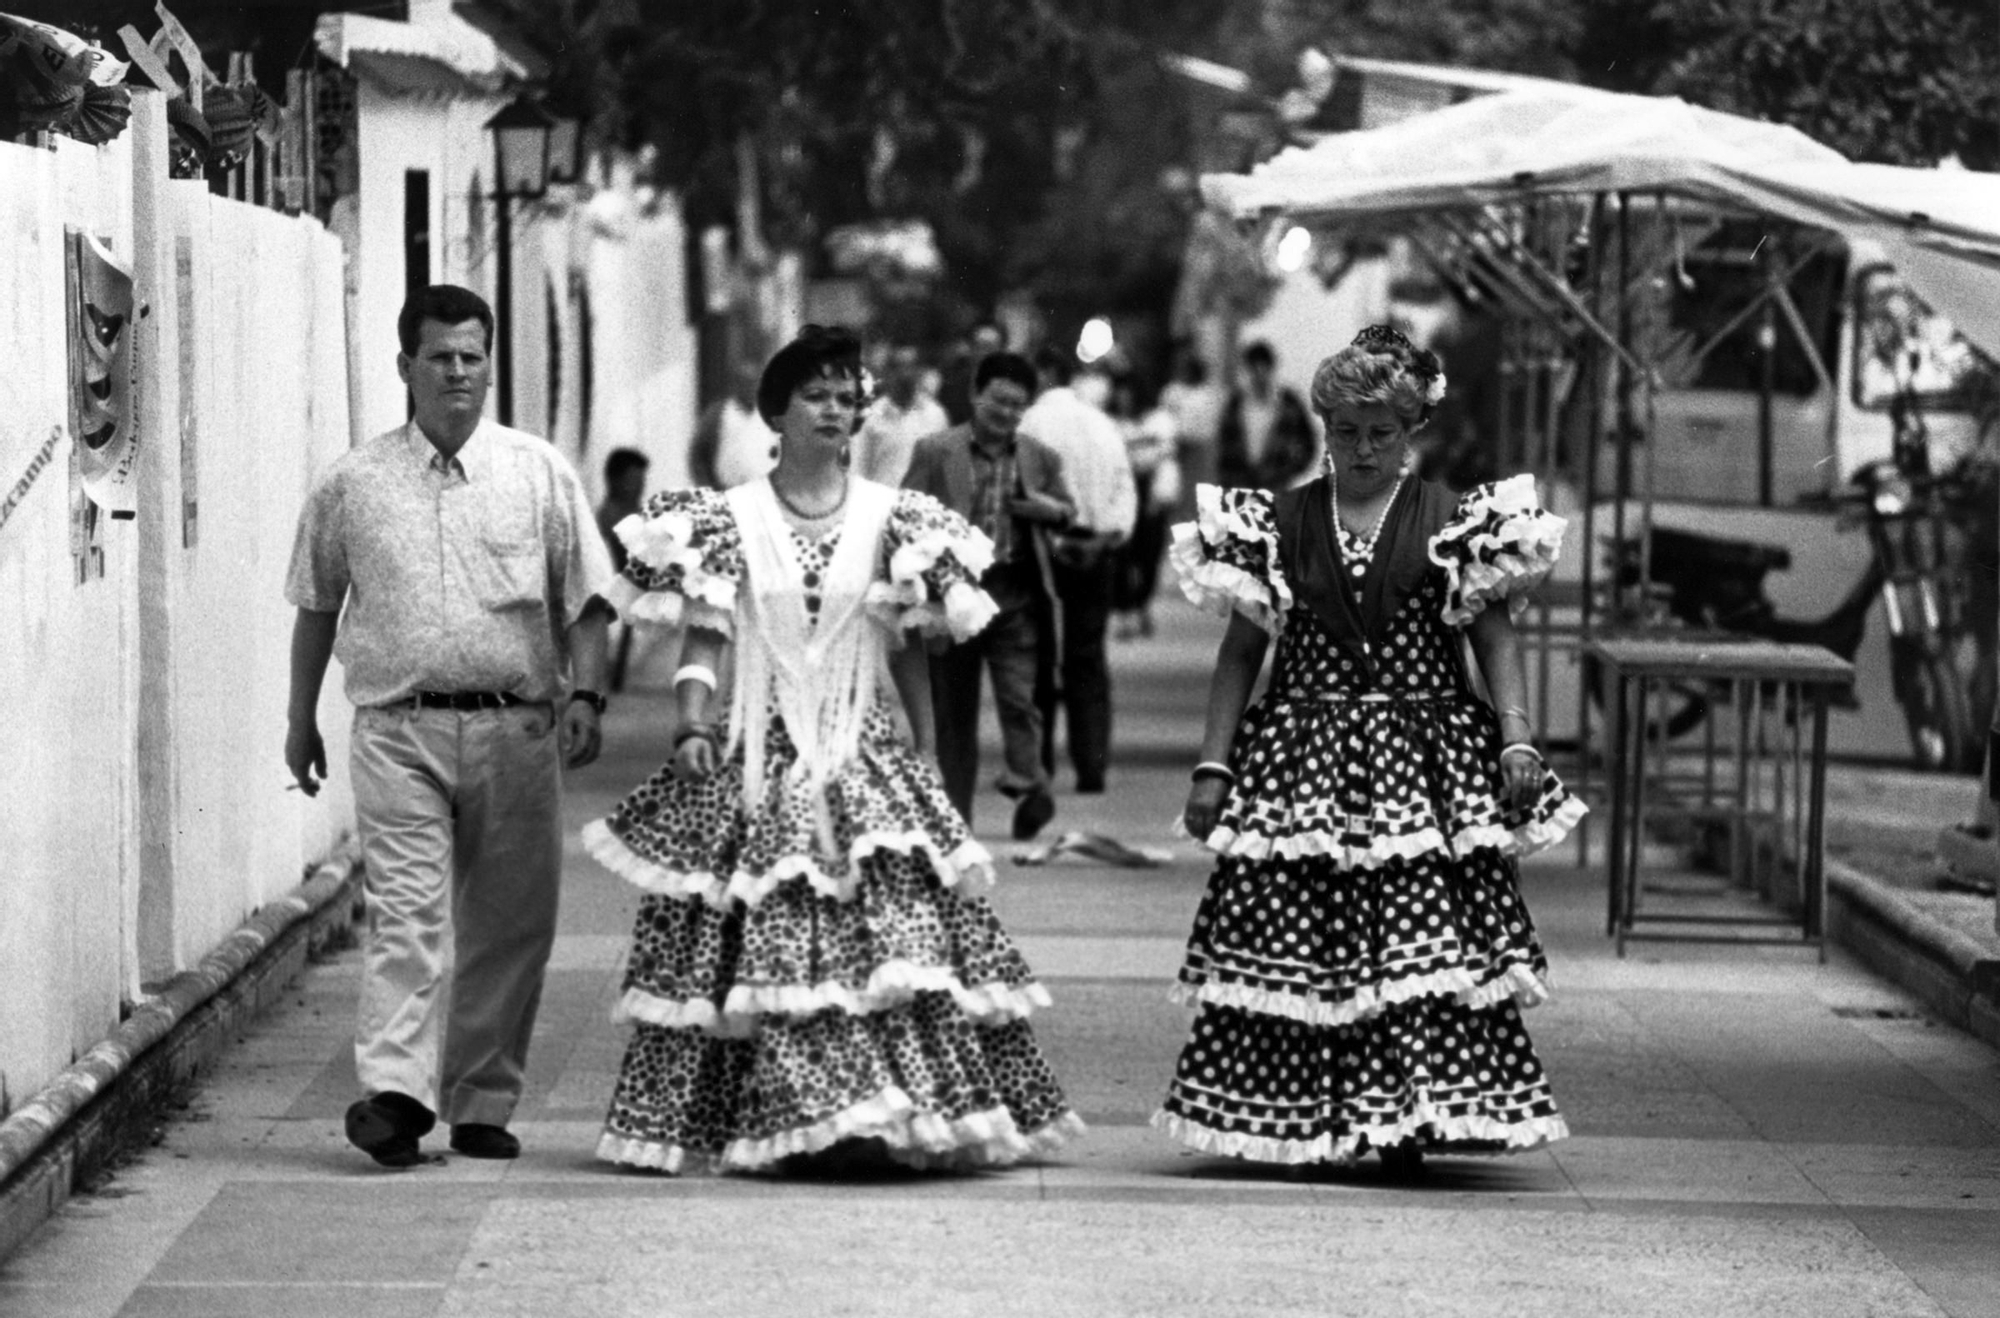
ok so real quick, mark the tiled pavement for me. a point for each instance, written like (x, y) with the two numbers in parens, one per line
(1754, 1134)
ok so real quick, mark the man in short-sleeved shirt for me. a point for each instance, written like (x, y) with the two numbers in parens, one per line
(455, 567)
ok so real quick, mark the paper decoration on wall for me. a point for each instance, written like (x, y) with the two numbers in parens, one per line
(55, 81)
(86, 524)
(101, 414)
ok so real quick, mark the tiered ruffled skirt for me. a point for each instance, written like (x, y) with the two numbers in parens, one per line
(1362, 952)
(802, 975)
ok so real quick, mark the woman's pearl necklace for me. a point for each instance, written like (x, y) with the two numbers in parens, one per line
(1364, 545)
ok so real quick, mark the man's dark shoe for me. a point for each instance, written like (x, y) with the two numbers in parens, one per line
(476, 1140)
(1090, 784)
(1033, 814)
(387, 1126)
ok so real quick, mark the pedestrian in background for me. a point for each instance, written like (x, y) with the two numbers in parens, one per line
(1150, 444)
(1266, 439)
(455, 566)
(1075, 672)
(957, 380)
(1362, 952)
(1010, 486)
(901, 416)
(624, 490)
(731, 444)
(1194, 399)
(810, 890)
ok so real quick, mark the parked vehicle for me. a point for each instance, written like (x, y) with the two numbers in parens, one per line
(1924, 532)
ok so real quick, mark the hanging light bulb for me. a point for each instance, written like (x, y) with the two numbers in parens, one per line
(1294, 248)
(1095, 340)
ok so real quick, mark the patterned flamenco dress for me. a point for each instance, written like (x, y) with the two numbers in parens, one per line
(812, 961)
(1361, 955)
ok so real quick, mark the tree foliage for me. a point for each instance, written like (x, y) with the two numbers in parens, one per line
(1906, 82)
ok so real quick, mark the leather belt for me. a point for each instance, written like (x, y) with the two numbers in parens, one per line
(1369, 697)
(464, 701)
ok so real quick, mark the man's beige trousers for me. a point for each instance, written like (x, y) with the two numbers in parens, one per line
(461, 833)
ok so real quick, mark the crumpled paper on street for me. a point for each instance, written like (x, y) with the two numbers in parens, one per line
(1081, 845)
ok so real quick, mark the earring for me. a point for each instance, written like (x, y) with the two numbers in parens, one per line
(774, 454)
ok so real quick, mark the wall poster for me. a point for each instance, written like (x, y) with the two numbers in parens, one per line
(102, 421)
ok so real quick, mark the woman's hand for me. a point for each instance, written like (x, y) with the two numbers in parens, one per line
(1204, 806)
(1521, 776)
(694, 759)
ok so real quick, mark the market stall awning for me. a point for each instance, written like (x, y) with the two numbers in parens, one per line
(1940, 227)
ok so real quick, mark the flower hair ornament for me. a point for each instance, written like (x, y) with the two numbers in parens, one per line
(1420, 362)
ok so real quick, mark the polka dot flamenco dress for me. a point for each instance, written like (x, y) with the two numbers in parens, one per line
(1361, 954)
(812, 967)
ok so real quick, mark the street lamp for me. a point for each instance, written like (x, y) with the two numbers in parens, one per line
(566, 150)
(521, 133)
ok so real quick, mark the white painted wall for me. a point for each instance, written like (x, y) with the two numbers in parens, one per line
(66, 841)
(171, 792)
(643, 347)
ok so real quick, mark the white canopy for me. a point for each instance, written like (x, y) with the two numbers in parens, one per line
(1939, 227)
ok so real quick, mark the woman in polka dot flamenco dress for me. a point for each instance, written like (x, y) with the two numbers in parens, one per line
(812, 965)
(1361, 954)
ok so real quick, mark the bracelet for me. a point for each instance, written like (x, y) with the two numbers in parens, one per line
(698, 673)
(1213, 769)
(1522, 746)
(689, 731)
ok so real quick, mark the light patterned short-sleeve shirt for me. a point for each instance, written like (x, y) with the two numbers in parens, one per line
(457, 574)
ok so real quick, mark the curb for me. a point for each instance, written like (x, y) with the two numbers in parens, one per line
(1957, 977)
(82, 1117)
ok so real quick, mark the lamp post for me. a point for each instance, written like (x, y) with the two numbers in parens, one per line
(521, 133)
(566, 150)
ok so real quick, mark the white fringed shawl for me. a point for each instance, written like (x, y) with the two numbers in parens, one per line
(823, 678)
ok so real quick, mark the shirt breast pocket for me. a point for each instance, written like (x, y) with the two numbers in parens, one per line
(510, 573)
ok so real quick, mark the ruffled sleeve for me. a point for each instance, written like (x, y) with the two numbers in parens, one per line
(932, 562)
(1499, 544)
(1227, 557)
(685, 559)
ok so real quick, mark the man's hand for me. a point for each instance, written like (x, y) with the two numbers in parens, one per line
(305, 756)
(581, 738)
(1037, 507)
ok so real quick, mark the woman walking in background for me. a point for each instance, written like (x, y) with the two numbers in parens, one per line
(813, 964)
(1362, 951)
(1149, 444)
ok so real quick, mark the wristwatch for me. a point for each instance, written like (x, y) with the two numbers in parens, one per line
(595, 699)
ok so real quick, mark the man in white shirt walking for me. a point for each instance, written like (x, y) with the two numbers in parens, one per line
(1099, 474)
(900, 417)
(456, 566)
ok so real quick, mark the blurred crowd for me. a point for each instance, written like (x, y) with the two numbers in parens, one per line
(1132, 445)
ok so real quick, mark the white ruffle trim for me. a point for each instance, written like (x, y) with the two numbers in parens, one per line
(905, 606)
(1519, 983)
(920, 553)
(667, 608)
(662, 541)
(922, 1139)
(1525, 840)
(891, 984)
(968, 868)
(1500, 545)
(1513, 1136)
(1224, 588)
